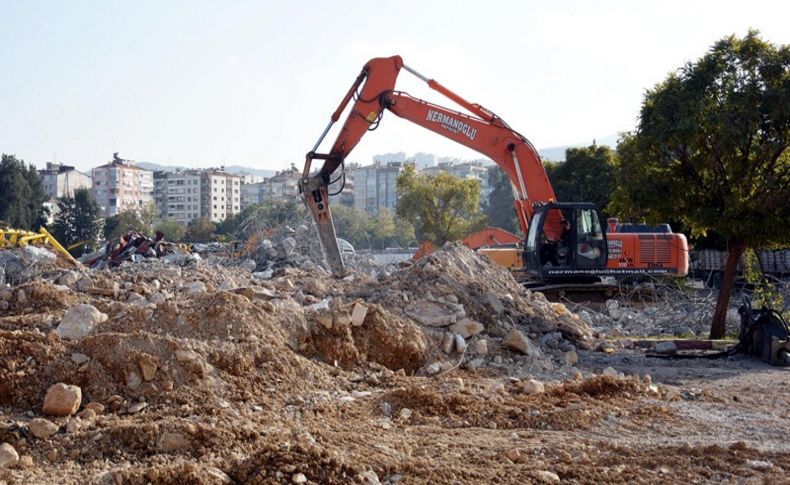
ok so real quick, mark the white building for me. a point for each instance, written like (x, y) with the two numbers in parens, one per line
(62, 180)
(120, 185)
(220, 194)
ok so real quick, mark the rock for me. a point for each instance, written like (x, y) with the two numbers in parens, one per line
(62, 399)
(532, 386)
(368, 478)
(548, 476)
(516, 340)
(96, 407)
(157, 298)
(513, 454)
(42, 428)
(460, 344)
(358, 314)
(613, 308)
(667, 347)
(171, 441)
(263, 275)
(84, 283)
(215, 475)
(433, 368)
(314, 287)
(324, 318)
(481, 348)
(610, 372)
(466, 327)
(570, 357)
(405, 413)
(148, 367)
(495, 303)
(79, 358)
(26, 461)
(86, 414)
(133, 380)
(194, 288)
(321, 305)
(8, 456)
(136, 408)
(447, 343)
(21, 298)
(298, 478)
(288, 245)
(69, 278)
(80, 321)
(431, 314)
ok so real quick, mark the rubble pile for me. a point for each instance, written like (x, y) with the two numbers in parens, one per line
(176, 356)
(299, 247)
(132, 246)
(18, 265)
(681, 315)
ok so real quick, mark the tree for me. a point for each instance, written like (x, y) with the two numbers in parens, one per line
(200, 230)
(586, 175)
(174, 231)
(78, 219)
(128, 220)
(500, 207)
(21, 194)
(711, 149)
(444, 207)
(352, 224)
(382, 229)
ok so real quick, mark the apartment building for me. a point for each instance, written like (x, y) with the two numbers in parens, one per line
(120, 185)
(374, 186)
(177, 195)
(255, 193)
(220, 194)
(62, 180)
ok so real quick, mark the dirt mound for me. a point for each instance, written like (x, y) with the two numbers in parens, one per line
(568, 406)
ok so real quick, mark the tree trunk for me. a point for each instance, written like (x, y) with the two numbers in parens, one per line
(718, 327)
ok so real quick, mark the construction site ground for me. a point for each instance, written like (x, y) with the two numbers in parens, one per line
(201, 374)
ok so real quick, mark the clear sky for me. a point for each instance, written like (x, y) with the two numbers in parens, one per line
(200, 83)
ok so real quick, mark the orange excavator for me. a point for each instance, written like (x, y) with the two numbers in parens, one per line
(565, 242)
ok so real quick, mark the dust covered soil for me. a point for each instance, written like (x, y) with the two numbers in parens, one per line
(202, 374)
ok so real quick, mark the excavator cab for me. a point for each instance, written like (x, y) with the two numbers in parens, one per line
(565, 241)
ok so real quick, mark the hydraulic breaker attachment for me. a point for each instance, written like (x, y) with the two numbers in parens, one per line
(314, 189)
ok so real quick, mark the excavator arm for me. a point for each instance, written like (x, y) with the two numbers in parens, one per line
(374, 92)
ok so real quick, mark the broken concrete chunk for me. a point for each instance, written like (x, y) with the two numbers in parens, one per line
(481, 348)
(532, 386)
(609, 371)
(42, 428)
(516, 340)
(448, 342)
(79, 358)
(358, 314)
(321, 305)
(466, 327)
(495, 303)
(431, 314)
(62, 399)
(80, 321)
(570, 357)
(194, 288)
(667, 347)
(8, 456)
(460, 344)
